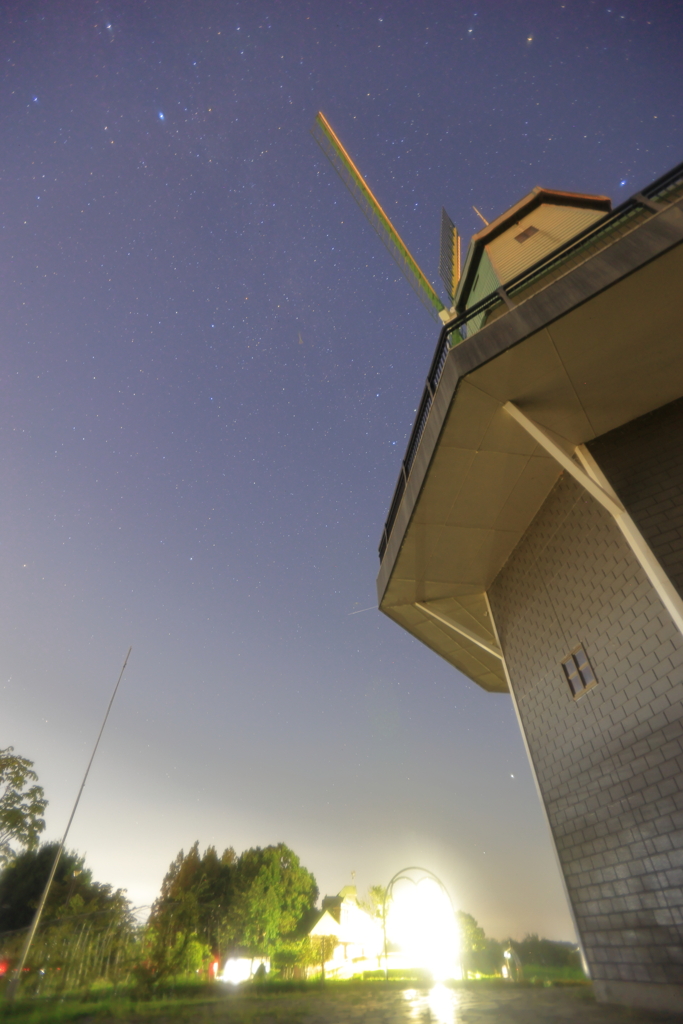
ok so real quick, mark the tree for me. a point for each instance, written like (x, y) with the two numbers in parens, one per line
(274, 894)
(472, 937)
(87, 930)
(259, 901)
(72, 893)
(374, 901)
(479, 954)
(546, 953)
(197, 898)
(316, 951)
(21, 805)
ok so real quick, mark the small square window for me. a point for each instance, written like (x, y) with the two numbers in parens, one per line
(523, 235)
(578, 672)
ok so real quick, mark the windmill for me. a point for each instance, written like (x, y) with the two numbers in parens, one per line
(449, 261)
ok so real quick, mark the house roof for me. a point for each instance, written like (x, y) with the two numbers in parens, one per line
(325, 924)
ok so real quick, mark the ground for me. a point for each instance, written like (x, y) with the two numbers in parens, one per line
(475, 1003)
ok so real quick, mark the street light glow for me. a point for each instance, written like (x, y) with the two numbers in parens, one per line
(420, 920)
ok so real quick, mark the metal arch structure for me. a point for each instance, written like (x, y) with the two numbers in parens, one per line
(348, 172)
(402, 876)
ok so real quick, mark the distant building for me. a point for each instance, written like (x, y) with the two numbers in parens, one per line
(359, 936)
(535, 541)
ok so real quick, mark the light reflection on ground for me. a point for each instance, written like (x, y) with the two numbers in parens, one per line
(440, 1004)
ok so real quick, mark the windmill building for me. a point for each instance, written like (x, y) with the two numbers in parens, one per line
(535, 536)
(535, 542)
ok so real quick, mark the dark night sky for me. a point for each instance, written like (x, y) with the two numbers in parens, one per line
(209, 371)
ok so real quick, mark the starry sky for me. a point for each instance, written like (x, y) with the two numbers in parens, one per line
(210, 367)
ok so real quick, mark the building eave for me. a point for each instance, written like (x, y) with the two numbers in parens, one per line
(585, 354)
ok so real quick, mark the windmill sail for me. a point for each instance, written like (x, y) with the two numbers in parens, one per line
(354, 181)
(449, 258)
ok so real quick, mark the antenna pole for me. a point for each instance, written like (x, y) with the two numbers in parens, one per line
(14, 983)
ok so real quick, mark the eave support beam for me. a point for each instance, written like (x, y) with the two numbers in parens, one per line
(461, 630)
(587, 472)
(540, 435)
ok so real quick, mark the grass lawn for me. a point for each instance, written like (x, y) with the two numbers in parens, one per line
(347, 1002)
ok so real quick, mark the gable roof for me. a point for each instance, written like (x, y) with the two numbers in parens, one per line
(326, 924)
(537, 197)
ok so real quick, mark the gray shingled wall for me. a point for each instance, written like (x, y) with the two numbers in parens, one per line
(609, 764)
(644, 464)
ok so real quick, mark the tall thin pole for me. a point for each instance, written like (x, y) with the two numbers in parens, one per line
(14, 983)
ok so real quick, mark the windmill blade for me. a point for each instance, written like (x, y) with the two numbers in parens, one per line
(354, 181)
(449, 257)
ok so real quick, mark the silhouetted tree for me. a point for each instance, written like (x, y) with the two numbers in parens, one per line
(547, 953)
(73, 891)
(87, 931)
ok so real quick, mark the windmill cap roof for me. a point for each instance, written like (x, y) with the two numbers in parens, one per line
(537, 197)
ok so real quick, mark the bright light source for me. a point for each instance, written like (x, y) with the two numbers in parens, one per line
(421, 922)
(236, 970)
(239, 969)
